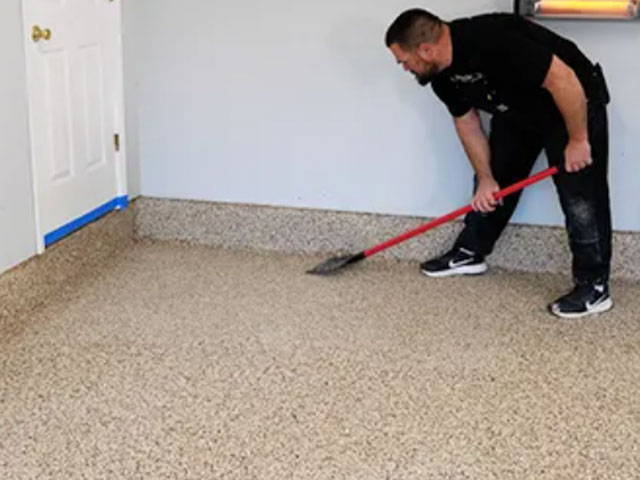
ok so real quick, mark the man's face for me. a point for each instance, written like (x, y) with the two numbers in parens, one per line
(419, 62)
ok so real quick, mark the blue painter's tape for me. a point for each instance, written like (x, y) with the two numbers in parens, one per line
(122, 202)
(118, 203)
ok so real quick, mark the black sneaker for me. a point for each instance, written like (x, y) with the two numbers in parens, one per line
(458, 261)
(583, 300)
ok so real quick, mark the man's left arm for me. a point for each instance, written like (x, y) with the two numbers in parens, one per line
(563, 84)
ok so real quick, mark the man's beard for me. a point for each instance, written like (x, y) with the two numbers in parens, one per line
(424, 78)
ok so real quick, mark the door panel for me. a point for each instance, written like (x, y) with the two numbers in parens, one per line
(93, 144)
(57, 154)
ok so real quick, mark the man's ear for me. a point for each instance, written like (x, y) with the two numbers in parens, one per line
(425, 51)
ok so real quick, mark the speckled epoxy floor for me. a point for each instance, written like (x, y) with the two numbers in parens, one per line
(184, 362)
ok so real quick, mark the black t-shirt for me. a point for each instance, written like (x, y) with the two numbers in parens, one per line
(500, 62)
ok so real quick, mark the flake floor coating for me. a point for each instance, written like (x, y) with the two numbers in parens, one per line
(185, 362)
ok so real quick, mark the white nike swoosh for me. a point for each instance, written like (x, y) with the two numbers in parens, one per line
(595, 304)
(460, 263)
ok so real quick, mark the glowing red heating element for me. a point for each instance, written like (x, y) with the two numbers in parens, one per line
(592, 8)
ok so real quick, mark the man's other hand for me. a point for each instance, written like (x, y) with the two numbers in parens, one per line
(577, 155)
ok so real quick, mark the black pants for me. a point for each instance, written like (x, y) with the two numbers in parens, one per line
(584, 195)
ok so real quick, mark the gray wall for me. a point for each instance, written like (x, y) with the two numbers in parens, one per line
(132, 13)
(17, 222)
(299, 104)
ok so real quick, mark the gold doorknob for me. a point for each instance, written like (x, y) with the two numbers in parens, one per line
(38, 33)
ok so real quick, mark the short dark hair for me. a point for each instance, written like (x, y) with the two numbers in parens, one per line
(414, 27)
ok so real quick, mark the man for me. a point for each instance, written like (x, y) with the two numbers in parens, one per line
(543, 94)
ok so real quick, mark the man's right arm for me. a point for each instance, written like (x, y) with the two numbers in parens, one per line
(476, 145)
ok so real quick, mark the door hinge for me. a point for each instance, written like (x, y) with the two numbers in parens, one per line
(116, 141)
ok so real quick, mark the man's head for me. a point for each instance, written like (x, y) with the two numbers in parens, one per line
(417, 40)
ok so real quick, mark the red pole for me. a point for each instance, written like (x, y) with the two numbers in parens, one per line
(461, 211)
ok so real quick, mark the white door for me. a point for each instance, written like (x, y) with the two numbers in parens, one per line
(74, 74)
